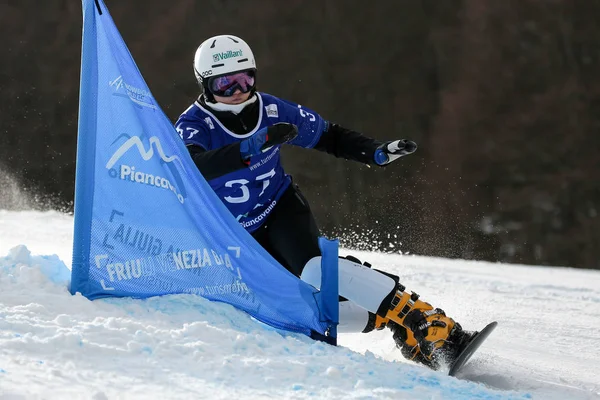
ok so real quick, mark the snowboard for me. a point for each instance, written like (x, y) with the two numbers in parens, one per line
(466, 353)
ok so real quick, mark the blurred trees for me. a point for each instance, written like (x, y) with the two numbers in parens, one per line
(502, 97)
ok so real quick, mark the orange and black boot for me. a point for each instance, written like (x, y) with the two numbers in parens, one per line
(422, 333)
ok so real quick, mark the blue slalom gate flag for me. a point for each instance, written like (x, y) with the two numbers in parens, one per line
(146, 221)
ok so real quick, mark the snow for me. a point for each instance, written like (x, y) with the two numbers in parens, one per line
(54, 345)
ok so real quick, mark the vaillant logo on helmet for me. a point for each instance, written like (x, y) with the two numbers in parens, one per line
(140, 97)
(225, 55)
(129, 173)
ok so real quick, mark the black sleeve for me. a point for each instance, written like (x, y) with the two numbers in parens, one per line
(348, 144)
(218, 162)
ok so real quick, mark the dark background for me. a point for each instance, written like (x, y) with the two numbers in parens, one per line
(503, 98)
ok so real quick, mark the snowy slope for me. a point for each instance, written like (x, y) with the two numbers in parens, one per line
(54, 345)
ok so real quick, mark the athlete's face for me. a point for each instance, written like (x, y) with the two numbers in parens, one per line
(236, 98)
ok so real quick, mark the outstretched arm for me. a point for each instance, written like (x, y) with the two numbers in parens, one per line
(348, 144)
(352, 145)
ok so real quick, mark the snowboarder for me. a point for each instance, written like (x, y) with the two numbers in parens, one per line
(234, 134)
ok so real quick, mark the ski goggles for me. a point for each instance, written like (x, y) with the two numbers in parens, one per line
(227, 85)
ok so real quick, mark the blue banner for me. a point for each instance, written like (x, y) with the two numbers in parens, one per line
(146, 221)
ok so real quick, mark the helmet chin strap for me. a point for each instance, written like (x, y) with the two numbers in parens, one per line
(234, 108)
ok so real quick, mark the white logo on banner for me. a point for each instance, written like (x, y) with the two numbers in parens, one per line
(128, 172)
(139, 96)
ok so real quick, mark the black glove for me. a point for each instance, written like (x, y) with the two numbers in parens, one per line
(279, 133)
(391, 151)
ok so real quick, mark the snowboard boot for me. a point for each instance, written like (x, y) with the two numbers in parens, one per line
(444, 355)
(403, 338)
(422, 333)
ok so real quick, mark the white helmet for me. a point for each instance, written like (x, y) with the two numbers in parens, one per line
(221, 55)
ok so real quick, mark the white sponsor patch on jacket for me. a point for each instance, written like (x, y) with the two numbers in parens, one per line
(272, 111)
